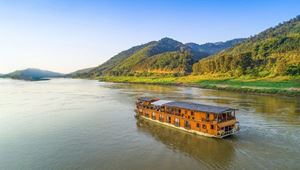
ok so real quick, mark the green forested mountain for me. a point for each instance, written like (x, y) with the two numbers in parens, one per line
(163, 56)
(32, 74)
(275, 51)
(268, 62)
(175, 62)
(166, 56)
(160, 52)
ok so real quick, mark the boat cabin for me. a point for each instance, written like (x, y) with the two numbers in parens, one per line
(202, 119)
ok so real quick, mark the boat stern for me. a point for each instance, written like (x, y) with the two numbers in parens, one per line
(228, 130)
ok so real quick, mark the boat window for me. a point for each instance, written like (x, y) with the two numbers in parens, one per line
(207, 116)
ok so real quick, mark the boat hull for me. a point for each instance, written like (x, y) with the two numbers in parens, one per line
(234, 131)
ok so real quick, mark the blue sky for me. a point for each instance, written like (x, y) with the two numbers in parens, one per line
(68, 35)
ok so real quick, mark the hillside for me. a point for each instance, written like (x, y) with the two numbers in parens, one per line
(133, 60)
(273, 52)
(32, 74)
(166, 56)
(80, 73)
(156, 53)
(115, 60)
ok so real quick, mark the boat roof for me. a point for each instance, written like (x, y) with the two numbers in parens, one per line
(160, 102)
(199, 107)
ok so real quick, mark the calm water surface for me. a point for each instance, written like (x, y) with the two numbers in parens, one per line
(84, 124)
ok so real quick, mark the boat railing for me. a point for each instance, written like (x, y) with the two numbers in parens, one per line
(222, 133)
(228, 132)
(227, 119)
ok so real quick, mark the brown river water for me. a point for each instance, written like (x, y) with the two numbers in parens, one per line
(85, 124)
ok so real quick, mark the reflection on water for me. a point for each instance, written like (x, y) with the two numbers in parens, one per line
(83, 124)
(210, 152)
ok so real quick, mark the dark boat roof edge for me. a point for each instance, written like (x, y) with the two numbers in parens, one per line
(192, 106)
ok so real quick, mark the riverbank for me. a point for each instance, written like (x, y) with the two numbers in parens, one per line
(284, 85)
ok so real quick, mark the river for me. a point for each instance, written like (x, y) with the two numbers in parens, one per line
(86, 124)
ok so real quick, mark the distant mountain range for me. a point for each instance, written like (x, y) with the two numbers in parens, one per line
(166, 56)
(32, 74)
(275, 51)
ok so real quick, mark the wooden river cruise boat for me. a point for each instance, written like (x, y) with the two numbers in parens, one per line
(206, 120)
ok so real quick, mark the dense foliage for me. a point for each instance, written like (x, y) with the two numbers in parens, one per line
(179, 63)
(275, 51)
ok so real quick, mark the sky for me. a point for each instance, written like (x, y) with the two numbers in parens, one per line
(68, 35)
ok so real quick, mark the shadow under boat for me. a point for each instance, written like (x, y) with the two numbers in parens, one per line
(217, 152)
